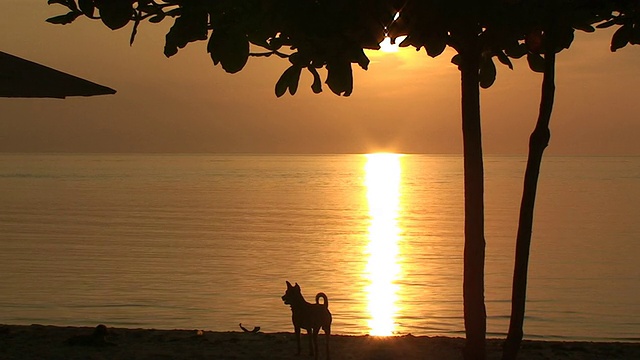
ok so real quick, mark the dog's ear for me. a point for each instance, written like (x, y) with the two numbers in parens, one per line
(297, 286)
(289, 285)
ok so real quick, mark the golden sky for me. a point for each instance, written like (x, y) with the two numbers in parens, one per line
(406, 101)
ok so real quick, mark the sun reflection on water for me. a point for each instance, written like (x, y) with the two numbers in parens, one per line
(382, 179)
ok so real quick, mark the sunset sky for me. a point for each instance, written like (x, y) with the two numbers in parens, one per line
(406, 101)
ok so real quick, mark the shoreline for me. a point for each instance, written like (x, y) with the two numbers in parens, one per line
(69, 342)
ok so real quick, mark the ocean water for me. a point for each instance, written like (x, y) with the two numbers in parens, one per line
(207, 242)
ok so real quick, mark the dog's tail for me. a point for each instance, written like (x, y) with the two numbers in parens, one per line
(323, 296)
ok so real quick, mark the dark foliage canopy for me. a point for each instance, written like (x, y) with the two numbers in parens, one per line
(332, 34)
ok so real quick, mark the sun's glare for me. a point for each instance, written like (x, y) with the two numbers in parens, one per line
(383, 182)
(387, 46)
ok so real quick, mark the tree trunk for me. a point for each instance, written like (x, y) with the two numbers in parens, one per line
(537, 143)
(474, 243)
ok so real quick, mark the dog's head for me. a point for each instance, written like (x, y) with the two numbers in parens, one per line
(292, 293)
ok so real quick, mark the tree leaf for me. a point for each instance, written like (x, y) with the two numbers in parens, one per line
(563, 38)
(487, 73)
(516, 50)
(68, 3)
(230, 48)
(408, 41)
(316, 87)
(297, 59)
(361, 59)
(534, 41)
(457, 60)
(258, 40)
(536, 62)
(148, 8)
(634, 39)
(174, 12)
(116, 14)
(288, 80)
(294, 79)
(340, 77)
(64, 19)
(621, 37)
(606, 24)
(435, 43)
(158, 18)
(134, 32)
(275, 43)
(87, 7)
(171, 42)
(72, 5)
(584, 27)
(283, 83)
(503, 58)
(188, 27)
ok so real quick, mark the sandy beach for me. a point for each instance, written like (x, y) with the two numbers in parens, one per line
(54, 342)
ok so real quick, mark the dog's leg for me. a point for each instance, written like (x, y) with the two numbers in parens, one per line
(316, 330)
(310, 336)
(297, 329)
(327, 333)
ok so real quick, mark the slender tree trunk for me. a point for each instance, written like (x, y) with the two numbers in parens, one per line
(474, 243)
(537, 143)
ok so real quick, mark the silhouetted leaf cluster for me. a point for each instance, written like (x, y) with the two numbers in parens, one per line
(332, 34)
(628, 18)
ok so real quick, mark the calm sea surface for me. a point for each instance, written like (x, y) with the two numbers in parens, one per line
(207, 242)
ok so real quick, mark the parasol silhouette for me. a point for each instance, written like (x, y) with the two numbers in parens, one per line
(21, 78)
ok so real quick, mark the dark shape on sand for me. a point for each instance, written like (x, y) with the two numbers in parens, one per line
(308, 316)
(20, 78)
(98, 338)
(255, 329)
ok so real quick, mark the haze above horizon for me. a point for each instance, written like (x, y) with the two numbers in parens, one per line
(406, 102)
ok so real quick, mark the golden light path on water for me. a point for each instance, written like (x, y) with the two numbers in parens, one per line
(382, 180)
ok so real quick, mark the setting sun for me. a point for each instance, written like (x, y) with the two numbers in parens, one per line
(387, 46)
